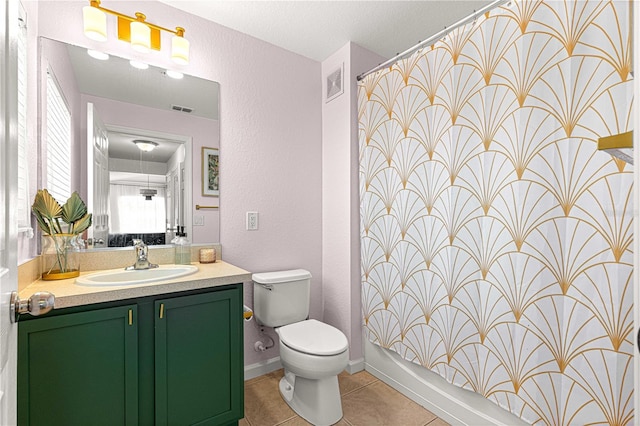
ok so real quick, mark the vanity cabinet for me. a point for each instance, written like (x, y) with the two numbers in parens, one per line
(79, 368)
(199, 371)
(171, 359)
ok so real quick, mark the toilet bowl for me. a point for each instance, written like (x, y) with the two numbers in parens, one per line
(312, 353)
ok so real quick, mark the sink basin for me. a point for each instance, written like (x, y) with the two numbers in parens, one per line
(122, 277)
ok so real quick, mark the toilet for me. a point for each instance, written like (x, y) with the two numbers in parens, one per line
(312, 353)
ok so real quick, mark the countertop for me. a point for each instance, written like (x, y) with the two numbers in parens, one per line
(68, 294)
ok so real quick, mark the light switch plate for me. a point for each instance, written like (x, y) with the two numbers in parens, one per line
(198, 220)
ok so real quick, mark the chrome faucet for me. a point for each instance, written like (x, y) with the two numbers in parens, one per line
(142, 261)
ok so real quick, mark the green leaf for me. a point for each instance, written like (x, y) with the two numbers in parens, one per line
(46, 210)
(50, 214)
(74, 209)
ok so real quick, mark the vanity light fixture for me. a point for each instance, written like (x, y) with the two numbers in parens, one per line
(142, 35)
(146, 146)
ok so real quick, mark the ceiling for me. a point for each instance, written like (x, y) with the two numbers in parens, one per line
(317, 29)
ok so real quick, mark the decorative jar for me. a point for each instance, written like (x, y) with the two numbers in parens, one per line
(60, 256)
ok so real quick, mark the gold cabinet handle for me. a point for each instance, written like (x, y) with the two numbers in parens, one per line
(130, 317)
(161, 310)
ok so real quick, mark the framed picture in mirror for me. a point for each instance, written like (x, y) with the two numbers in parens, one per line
(210, 176)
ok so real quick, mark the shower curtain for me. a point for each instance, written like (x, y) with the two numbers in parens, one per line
(496, 239)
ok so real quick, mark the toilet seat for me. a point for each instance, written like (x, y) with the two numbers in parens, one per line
(313, 337)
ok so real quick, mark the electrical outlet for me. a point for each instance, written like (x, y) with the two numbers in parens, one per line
(252, 221)
(198, 220)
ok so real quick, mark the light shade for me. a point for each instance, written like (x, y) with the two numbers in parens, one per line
(95, 23)
(144, 145)
(140, 35)
(180, 50)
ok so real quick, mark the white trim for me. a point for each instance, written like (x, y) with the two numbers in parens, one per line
(261, 368)
(451, 403)
(355, 365)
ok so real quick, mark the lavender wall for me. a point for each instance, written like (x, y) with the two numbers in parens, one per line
(270, 138)
(340, 194)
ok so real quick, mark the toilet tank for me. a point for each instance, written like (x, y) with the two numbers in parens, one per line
(282, 297)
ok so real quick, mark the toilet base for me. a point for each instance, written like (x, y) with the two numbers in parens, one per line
(315, 400)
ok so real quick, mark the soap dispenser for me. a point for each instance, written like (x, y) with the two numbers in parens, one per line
(183, 248)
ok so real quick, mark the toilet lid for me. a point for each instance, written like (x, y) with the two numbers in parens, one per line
(313, 337)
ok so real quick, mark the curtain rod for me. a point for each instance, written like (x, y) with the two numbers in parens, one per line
(434, 37)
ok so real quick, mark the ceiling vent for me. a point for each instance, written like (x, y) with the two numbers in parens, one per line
(335, 84)
(182, 109)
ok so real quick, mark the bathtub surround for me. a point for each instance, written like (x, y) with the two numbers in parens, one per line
(496, 239)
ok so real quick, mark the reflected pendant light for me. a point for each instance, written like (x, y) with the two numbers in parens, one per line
(180, 48)
(140, 34)
(95, 22)
(147, 192)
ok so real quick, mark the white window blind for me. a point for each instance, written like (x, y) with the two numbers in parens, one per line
(23, 207)
(58, 142)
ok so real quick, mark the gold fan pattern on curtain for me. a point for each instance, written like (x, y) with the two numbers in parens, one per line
(496, 239)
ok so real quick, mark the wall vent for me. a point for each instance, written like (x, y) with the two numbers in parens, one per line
(188, 110)
(334, 84)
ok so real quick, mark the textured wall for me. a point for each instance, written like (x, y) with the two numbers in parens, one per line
(270, 137)
(496, 242)
(340, 206)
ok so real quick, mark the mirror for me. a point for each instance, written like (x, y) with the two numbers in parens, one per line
(131, 192)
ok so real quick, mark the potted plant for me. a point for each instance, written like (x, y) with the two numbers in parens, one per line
(61, 226)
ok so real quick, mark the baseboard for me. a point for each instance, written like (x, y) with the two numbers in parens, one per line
(261, 368)
(355, 365)
(453, 404)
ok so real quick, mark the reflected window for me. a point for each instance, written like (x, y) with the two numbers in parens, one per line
(23, 207)
(58, 143)
(131, 213)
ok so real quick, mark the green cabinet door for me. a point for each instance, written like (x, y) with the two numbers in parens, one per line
(199, 359)
(79, 369)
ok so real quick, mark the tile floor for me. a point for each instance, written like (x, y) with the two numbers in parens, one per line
(366, 401)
